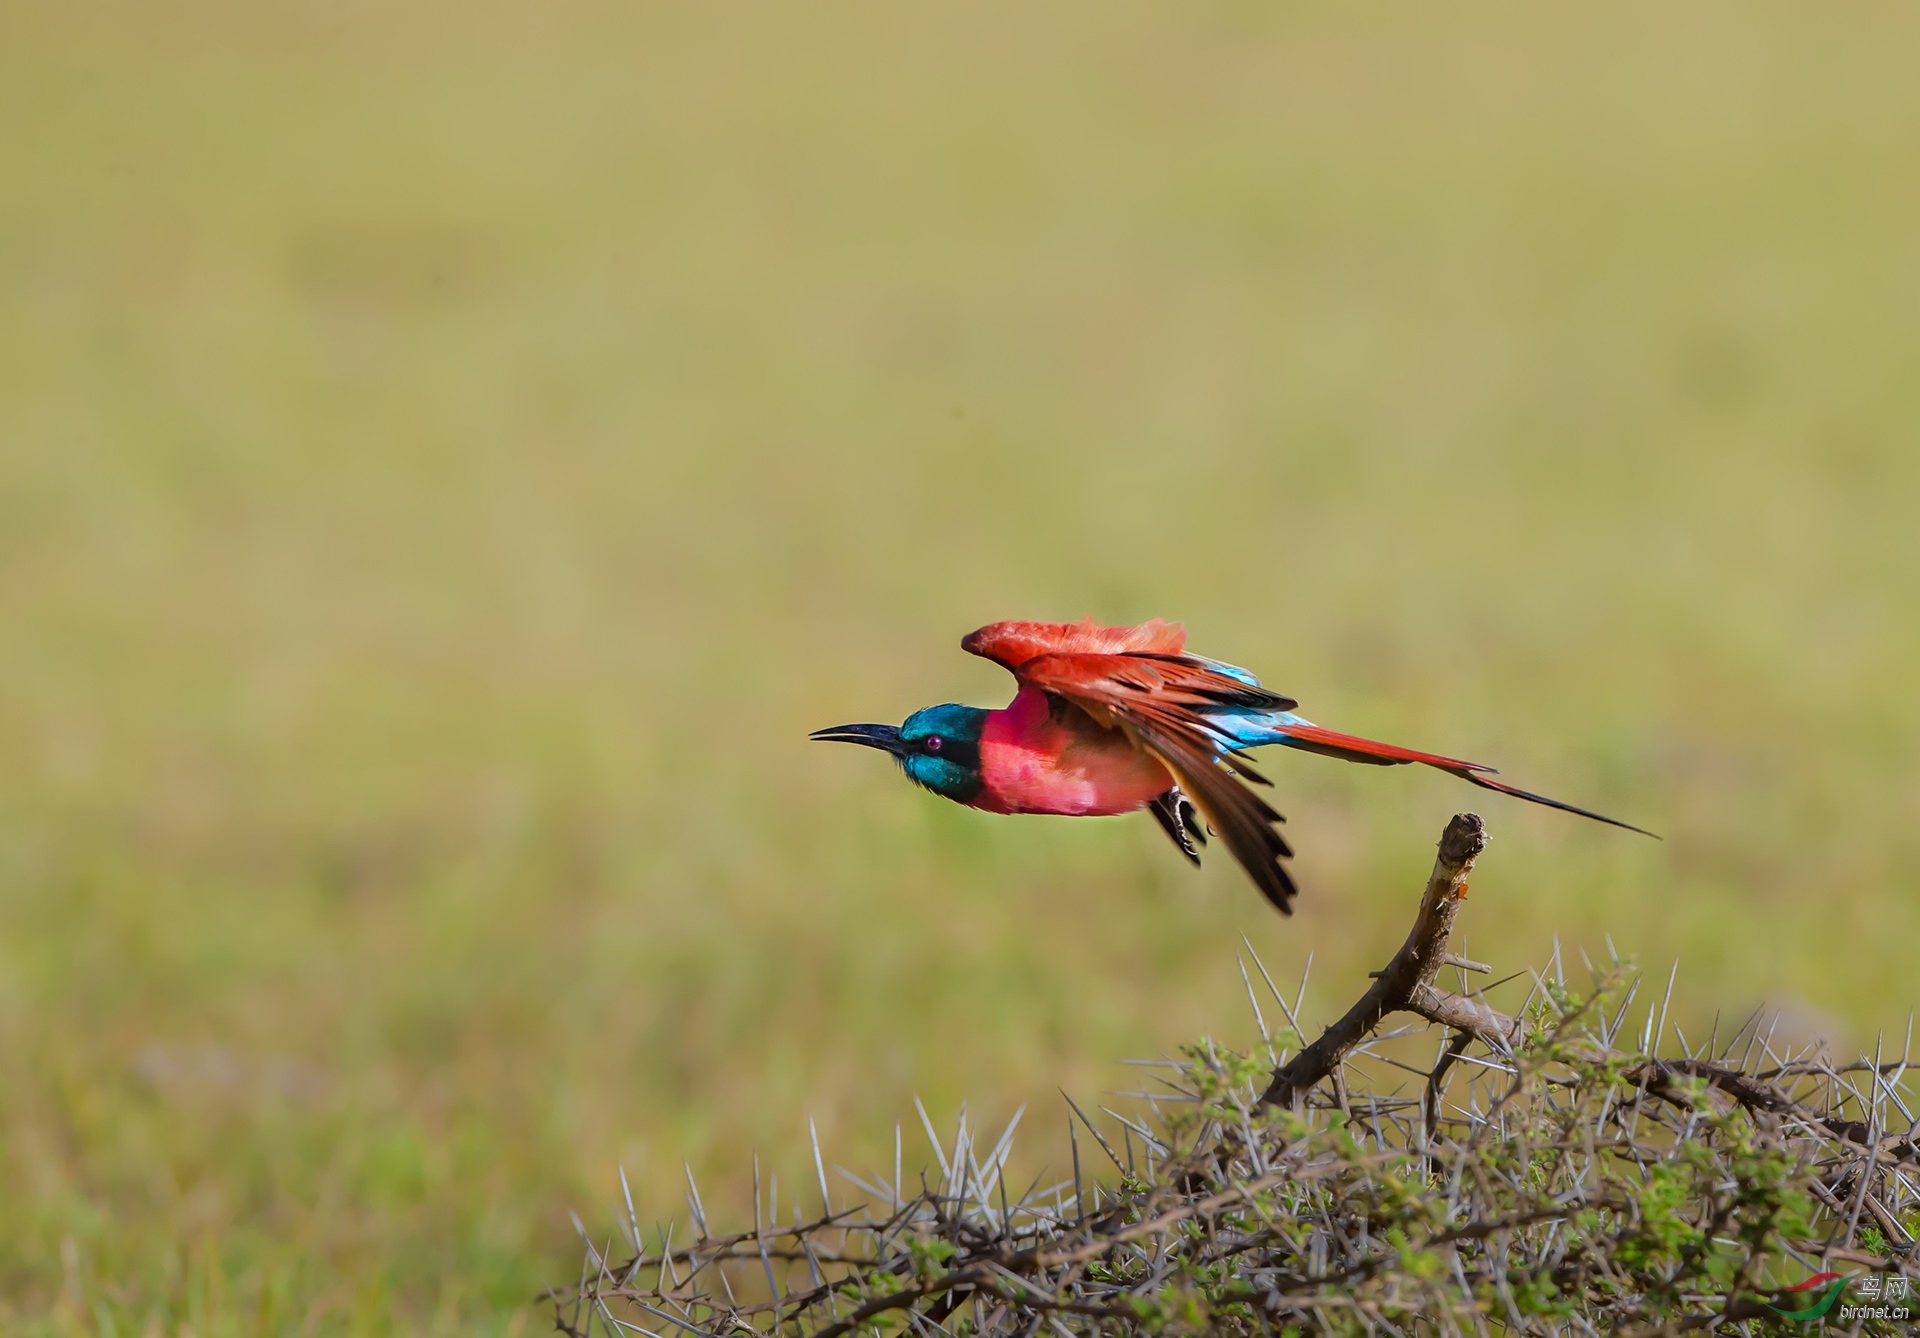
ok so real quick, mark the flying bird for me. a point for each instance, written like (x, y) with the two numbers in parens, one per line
(1112, 719)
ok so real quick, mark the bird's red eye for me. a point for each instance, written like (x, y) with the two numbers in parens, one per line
(935, 743)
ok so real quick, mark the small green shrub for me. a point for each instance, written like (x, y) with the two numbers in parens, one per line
(1574, 1185)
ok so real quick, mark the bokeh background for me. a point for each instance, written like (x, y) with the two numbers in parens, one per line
(450, 455)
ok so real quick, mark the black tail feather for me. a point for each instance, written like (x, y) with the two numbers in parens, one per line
(1480, 779)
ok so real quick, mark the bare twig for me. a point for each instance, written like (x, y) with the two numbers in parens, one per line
(1405, 984)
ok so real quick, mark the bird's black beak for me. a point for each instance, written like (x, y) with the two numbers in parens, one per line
(884, 737)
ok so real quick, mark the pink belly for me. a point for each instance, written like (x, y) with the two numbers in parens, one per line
(1030, 763)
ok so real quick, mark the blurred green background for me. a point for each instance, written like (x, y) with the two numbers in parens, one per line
(450, 455)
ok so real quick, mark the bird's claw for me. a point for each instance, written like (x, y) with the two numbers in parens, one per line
(1177, 818)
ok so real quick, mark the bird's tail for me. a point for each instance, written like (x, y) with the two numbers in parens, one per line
(1283, 727)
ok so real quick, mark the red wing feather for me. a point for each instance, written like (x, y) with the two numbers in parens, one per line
(1014, 643)
(1161, 704)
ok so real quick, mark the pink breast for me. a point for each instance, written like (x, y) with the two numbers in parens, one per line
(1031, 763)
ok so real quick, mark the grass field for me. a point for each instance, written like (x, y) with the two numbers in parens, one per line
(450, 455)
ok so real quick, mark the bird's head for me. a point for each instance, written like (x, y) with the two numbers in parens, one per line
(938, 748)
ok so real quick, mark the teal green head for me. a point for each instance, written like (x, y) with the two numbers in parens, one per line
(938, 748)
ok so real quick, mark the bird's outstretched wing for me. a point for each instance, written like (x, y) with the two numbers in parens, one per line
(1014, 643)
(1197, 716)
(1164, 702)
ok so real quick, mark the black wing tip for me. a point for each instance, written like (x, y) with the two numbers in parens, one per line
(1184, 827)
(1268, 872)
(1279, 888)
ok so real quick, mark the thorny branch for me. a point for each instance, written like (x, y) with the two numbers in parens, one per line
(1406, 984)
(1560, 1183)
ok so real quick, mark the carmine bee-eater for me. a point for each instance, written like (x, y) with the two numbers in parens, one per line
(1111, 719)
